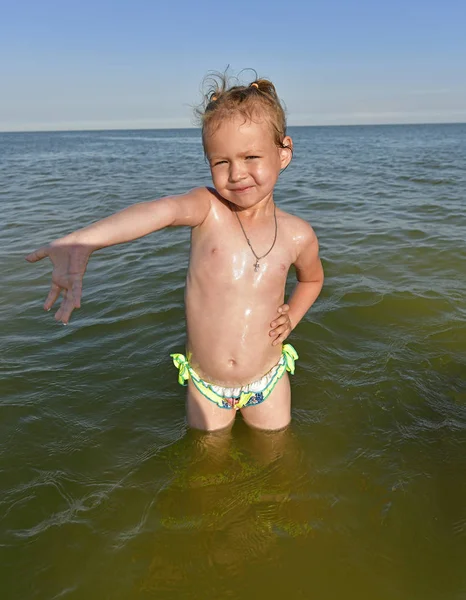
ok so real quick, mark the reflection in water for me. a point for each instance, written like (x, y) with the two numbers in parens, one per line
(227, 505)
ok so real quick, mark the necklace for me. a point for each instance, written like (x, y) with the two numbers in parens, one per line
(258, 258)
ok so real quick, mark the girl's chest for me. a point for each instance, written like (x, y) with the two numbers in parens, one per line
(231, 254)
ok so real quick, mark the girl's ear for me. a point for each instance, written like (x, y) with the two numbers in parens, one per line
(286, 152)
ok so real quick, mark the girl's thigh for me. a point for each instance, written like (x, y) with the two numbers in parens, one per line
(275, 412)
(206, 415)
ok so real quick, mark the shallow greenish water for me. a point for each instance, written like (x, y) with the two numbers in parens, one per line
(104, 491)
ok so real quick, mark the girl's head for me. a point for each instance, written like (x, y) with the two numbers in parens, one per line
(255, 102)
(244, 138)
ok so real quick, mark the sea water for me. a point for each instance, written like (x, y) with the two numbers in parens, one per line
(105, 493)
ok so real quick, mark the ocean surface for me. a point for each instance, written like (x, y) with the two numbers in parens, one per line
(105, 493)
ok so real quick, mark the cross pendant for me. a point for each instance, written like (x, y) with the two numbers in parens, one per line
(256, 266)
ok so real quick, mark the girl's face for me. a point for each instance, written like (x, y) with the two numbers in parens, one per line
(245, 161)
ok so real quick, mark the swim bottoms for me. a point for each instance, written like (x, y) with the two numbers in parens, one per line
(239, 397)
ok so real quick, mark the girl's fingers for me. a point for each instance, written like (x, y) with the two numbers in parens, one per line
(76, 292)
(281, 334)
(279, 340)
(69, 277)
(52, 296)
(283, 308)
(71, 300)
(38, 254)
(61, 310)
(284, 319)
(67, 307)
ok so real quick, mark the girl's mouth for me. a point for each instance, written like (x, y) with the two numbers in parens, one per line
(242, 189)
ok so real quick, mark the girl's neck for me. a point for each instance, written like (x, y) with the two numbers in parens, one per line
(264, 208)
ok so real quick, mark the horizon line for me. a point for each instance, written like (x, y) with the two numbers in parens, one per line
(97, 129)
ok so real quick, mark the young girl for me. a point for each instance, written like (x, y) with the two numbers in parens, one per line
(242, 246)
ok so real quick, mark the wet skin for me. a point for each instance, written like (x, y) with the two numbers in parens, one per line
(236, 316)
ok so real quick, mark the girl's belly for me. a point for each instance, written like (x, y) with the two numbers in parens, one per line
(229, 344)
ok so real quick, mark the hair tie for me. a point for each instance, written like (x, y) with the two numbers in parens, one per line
(254, 84)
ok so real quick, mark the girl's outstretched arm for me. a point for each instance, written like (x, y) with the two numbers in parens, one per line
(70, 254)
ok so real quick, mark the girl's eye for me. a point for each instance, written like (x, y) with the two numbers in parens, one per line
(220, 162)
(249, 157)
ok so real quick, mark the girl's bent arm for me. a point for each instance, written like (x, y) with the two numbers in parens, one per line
(310, 275)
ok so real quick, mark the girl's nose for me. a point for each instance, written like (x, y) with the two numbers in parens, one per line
(236, 173)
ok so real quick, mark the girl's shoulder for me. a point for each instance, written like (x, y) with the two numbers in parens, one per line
(296, 226)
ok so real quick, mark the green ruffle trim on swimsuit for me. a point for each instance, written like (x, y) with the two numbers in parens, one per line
(185, 371)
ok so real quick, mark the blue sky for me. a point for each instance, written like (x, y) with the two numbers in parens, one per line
(119, 64)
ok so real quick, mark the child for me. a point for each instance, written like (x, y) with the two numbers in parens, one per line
(242, 247)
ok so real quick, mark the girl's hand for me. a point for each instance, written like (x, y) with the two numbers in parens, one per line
(281, 326)
(69, 261)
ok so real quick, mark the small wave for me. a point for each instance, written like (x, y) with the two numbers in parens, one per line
(426, 181)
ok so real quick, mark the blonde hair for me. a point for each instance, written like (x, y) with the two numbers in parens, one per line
(259, 99)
